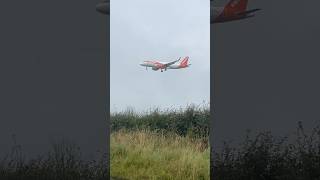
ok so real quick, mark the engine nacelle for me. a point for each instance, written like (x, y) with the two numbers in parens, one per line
(155, 68)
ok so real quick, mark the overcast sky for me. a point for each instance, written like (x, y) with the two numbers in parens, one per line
(158, 30)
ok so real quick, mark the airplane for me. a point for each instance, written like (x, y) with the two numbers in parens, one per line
(234, 10)
(156, 65)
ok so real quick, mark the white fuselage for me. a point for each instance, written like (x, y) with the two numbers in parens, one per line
(156, 65)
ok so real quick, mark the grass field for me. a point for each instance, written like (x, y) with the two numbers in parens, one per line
(161, 144)
(149, 155)
(173, 144)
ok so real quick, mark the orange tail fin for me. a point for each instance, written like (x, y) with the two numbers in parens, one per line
(184, 62)
(236, 6)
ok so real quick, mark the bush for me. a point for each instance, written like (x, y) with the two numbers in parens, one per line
(266, 157)
(63, 162)
(192, 121)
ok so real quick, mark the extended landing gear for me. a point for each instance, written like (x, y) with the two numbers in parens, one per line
(163, 69)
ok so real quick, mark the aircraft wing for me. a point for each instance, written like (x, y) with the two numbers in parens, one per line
(170, 63)
(248, 12)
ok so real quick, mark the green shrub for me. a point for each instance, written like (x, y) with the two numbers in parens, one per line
(63, 162)
(192, 121)
(265, 157)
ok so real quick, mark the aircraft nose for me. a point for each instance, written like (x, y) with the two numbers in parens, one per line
(141, 64)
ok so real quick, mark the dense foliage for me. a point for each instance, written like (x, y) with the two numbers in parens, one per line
(261, 156)
(63, 162)
(192, 121)
(265, 157)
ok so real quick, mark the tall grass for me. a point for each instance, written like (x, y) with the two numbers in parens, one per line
(161, 144)
(165, 144)
(266, 157)
(63, 162)
(152, 155)
(191, 121)
(173, 144)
